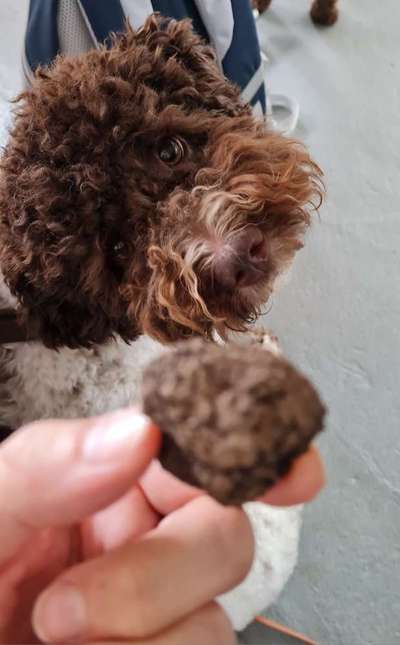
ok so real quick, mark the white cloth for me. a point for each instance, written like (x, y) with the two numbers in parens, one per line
(73, 33)
(276, 532)
(137, 11)
(217, 16)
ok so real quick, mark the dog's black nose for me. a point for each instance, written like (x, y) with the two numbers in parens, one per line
(241, 262)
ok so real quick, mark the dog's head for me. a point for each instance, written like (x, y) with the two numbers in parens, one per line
(138, 194)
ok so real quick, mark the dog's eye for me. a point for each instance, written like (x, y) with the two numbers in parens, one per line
(171, 151)
(116, 259)
(118, 246)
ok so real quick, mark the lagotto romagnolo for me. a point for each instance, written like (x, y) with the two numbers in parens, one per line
(141, 203)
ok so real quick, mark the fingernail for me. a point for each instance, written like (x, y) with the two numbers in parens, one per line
(114, 434)
(59, 614)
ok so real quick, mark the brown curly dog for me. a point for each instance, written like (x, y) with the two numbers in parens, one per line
(139, 195)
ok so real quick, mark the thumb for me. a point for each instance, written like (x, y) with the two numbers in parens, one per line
(57, 472)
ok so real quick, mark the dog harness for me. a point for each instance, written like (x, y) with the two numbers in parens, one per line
(72, 27)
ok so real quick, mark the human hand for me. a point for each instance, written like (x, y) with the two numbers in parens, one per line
(54, 477)
(134, 581)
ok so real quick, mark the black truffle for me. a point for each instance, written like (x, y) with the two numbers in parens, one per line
(234, 417)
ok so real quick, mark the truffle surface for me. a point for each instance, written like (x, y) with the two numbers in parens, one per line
(234, 417)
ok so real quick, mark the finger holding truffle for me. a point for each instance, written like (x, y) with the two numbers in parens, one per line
(301, 484)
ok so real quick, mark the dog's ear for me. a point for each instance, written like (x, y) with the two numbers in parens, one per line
(49, 303)
(48, 286)
(57, 212)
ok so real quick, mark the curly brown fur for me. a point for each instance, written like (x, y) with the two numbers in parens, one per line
(99, 235)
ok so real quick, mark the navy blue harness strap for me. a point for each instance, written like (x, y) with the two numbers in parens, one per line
(244, 47)
(41, 41)
(240, 63)
(110, 18)
(260, 97)
(180, 9)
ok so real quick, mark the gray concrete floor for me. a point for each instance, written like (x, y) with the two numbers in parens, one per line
(339, 317)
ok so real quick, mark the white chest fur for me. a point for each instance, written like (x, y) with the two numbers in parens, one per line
(36, 382)
(72, 383)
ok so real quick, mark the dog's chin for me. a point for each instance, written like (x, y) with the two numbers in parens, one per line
(256, 296)
(183, 304)
(232, 313)
(240, 309)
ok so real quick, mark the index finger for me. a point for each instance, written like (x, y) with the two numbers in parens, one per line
(56, 473)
